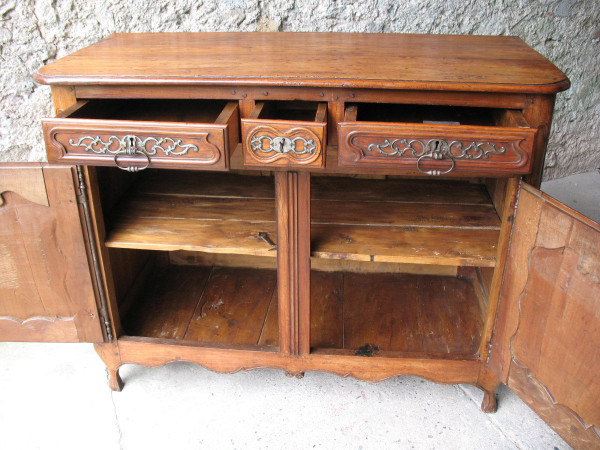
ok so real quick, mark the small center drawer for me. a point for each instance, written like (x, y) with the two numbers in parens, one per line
(285, 134)
(136, 134)
(435, 140)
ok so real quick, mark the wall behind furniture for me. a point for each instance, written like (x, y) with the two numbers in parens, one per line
(567, 32)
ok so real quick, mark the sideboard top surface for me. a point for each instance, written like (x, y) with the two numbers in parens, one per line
(336, 60)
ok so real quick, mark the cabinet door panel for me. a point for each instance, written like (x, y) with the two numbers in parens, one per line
(547, 340)
(46, 291)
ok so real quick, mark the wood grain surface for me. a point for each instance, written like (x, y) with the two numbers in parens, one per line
(370, 220)
(46, 291)
(391, 61)
(547, 334)
(394, 313)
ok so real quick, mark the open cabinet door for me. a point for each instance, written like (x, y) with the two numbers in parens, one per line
(46, 290)
(546, 344)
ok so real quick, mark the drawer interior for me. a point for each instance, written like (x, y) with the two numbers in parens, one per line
(434, 114)
(150, 110)
(292, 111)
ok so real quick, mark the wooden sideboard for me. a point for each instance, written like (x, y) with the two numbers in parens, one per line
(360, 204)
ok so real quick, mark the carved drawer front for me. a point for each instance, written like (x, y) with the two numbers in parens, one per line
(474, 142)
(285, 135)
(136, 134)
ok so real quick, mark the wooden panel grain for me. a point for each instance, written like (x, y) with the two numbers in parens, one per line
(156, 352)
(384, 221)
(326, 310)
(409, 245)
(293, 261)
(27, 181)
(383, 312)
(46, 287)
(548, 327)
(269, 334)
(411, 313)
(233, 307)
(454, 63)
(317, 264)
(248, 95)
(165, 308)
(451, 317)
(208, 236)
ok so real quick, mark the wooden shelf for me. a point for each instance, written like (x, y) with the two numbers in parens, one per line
(398, 221)
(389, 314)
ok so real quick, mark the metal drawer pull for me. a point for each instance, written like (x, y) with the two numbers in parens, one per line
(436, 149)
(132, 145)
(282, 144)
(435, 156)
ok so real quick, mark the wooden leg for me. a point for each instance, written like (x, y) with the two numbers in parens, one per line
(488, 383)
(298, 375)
(114, 380)
(109, 353)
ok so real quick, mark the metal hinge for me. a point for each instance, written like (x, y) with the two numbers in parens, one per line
(82, 199)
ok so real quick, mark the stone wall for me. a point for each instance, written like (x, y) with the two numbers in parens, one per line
(567, 32)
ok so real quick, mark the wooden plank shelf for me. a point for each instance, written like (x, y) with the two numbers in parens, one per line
(395, 221)
(352, 314)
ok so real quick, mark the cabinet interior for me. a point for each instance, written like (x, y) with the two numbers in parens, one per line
(398, 266)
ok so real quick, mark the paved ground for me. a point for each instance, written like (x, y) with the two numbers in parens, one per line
(580, 192)
(55, 396)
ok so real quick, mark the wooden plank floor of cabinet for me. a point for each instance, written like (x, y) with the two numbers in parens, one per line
(204, 304)
(388, 314)
(364, 220)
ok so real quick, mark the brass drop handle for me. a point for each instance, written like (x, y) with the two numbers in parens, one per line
(130, 148)
(436, 149)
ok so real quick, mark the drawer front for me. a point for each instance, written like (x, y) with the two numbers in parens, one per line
(135, 145)
(283, 143)
(432, 149)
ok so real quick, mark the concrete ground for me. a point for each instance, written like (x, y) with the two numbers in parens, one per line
(56, 396)
(581, 192)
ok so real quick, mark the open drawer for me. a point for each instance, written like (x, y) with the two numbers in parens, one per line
(136, 134)
(436, 140)
(285, 134)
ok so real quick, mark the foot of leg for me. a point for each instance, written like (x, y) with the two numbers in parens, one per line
(488, 383)
(110, 355)
(489, 403)
(294, 374)
(114, 380)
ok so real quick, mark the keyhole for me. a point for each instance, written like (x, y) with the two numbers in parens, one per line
(281, 144)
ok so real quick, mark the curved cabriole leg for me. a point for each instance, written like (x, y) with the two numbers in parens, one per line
(109, 353)
(114, 380)
(488, 383)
